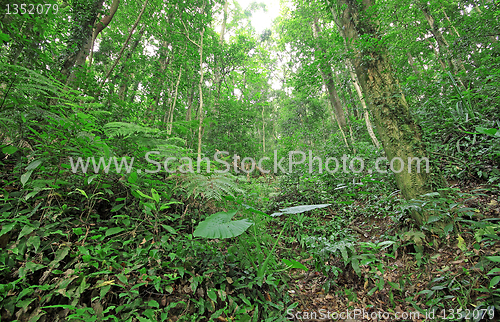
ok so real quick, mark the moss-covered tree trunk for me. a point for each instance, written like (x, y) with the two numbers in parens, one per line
(401, 137)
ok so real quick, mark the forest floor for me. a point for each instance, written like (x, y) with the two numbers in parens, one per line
(448, 262)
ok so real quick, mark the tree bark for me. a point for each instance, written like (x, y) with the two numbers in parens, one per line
(172, 107)
(401, 137)
(366, 115)
(82, 31)
(101, 25)
(200, 109)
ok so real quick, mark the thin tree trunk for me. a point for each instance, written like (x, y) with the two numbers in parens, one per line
(200, 124)
(172, 108)
(455, 64)
(124, 69)
(263, 131)
(125, 44)
(83, 35)
(366, 115)
(413, 65)
(327, 76)
(103, 24)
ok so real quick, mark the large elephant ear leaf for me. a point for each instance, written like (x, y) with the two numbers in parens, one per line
(220, 225)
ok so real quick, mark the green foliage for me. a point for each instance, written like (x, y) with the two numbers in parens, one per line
(220, 225)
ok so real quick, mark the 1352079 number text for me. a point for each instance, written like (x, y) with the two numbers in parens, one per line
(31, 9)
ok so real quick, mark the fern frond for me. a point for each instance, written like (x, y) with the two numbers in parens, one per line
(212, 187)
(124, 129)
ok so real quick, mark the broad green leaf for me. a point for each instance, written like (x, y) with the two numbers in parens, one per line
(25, 231)
(113, 231)
(170, 229)
(294, 264)
(60, 255)
(490, 132)
(6, 228)
(156, 196)
(10, 149)
(132, 178)
(494, 271)
(495, 259)
(212, 295)
(33, 165)
(117, 207)
(494, 281)
(35, 242)
(461, 243)
(298, 209)
(25, 177)
(220, 225)
(433, 219)
(153, 303)
(143, 194)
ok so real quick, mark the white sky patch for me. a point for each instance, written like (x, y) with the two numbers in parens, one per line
(262, 20)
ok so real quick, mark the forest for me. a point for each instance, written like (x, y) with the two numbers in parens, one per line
(230, 160)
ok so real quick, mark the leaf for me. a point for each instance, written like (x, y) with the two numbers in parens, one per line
(113, 231)
(220, 225)
(490, 132)
(90, 179)
(493, 271)
(7, 228)
(25, 231)
(117, 207)
(170, 229)
(25, 177)
(60, 254)
(33, 165)
(143, 194)
(9, 149)
(495, 259)
(212, 295)
(494, 281)
(35, 242)
(448, 229)
(298, 209)
(294, 264)
(433, 219)
(153, 303)
(156, 196)
(132, 178)
(461, 243)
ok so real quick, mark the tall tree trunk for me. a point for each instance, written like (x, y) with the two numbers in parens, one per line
(263, 131)
(124, 69)
(366, 115)
(455, 64)
(125, 44)
(101, 25)
(401, 136)
(172, 108)
(327, 76)
(200, 109)
(413, 65)
(85, 17)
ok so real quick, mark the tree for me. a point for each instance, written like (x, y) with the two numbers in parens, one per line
(401, 137)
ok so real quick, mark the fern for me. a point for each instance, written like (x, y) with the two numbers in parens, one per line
(114, 129)
(212, 187)
(326, 246)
